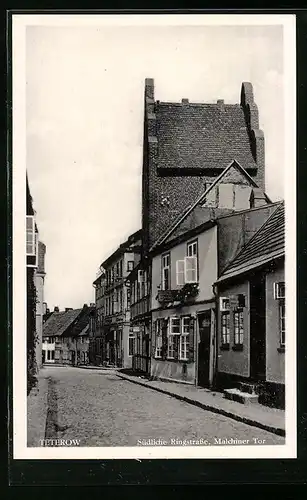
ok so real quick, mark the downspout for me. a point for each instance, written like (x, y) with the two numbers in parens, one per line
(215, 364)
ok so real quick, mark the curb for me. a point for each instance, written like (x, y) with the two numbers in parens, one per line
(245, 420)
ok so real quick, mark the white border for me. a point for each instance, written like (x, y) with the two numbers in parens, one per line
(20, 450)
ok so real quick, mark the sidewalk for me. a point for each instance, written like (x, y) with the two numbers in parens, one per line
(37, 408)
(269, 419)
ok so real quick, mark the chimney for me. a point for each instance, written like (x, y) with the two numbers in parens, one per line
(92, 304)
(257, 198)
(220, 104)
(85, 306)
(185, 101)
(56, 309)
(68, 309)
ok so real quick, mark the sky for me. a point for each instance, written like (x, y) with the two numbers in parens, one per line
(84, 126)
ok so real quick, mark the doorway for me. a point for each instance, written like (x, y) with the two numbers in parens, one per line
(257, 329)
(204, 325)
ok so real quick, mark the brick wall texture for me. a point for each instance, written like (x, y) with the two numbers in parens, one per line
(203, 138)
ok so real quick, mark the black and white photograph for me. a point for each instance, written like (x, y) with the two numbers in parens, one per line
(154, 174)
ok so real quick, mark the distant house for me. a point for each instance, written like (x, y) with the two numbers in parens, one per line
(139, 281)
(113, 292)
(66, 336)
(96, 338)
(251, 317)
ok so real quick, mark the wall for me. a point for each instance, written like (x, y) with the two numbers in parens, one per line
(83, 348)
(173, 369)
(236, 230)
(48, 347)
(39, 285)
(207, 266)
(275, 360)
(230, 361)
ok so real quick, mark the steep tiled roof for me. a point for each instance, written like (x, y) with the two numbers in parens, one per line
(82, 321)
(268, 243)
(59, 322)
(202, 136)
(196, 214)
(85, 331)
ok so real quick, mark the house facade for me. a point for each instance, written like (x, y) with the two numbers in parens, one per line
(35, 272)
(183, 307)
(115, 297)
(66, 336)
(96, 338)
(139, 284)
(200, 161)
(251, 317)
(184, 299)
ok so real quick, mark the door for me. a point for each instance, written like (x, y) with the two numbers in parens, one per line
(204, 326)
(73, 357)
(257, 329)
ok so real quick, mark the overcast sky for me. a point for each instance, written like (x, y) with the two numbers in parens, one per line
(85, 90)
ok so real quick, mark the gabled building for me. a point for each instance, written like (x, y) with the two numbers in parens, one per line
(251, 317)
(200, 161)
(187, 146)
(115, 296)
(66, 335)
(183, 299)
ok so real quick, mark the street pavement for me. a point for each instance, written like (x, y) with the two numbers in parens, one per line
(100, 409)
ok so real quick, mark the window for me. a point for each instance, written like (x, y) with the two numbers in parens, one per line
(174, 326)
(184, 347)
(158, 351)
(166, 272)
(128, 291)
(131, 346)
(171, 346)
(238, 318)
(224, 304)
(184, 339)
(225, 327)
(191, 269)
(279, 290)
(192, 249)
(130, 265)
(30, 232)
(180, 272)
(121, 268)
(282, 322)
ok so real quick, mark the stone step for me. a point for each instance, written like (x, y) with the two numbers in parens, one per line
(249, 387)
(240, 396)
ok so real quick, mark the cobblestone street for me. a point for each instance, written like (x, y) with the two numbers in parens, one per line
(100, 409)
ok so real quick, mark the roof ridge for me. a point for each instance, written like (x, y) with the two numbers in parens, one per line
(199, 199)
(279, 206)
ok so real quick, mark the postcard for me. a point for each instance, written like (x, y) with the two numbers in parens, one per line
(154, 210)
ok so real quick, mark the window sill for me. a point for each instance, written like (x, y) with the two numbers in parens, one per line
(281, 348)
(237, 347)
(224, 347)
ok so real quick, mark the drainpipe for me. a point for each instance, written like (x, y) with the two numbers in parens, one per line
(215, 293)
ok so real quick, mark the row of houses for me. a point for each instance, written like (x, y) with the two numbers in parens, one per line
(197, 295)
(66, 336)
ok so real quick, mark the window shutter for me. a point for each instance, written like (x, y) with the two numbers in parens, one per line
(190, 269)
(164, 338)
(176, 346)
(192, 339)
(180, 272)
(153, 338)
